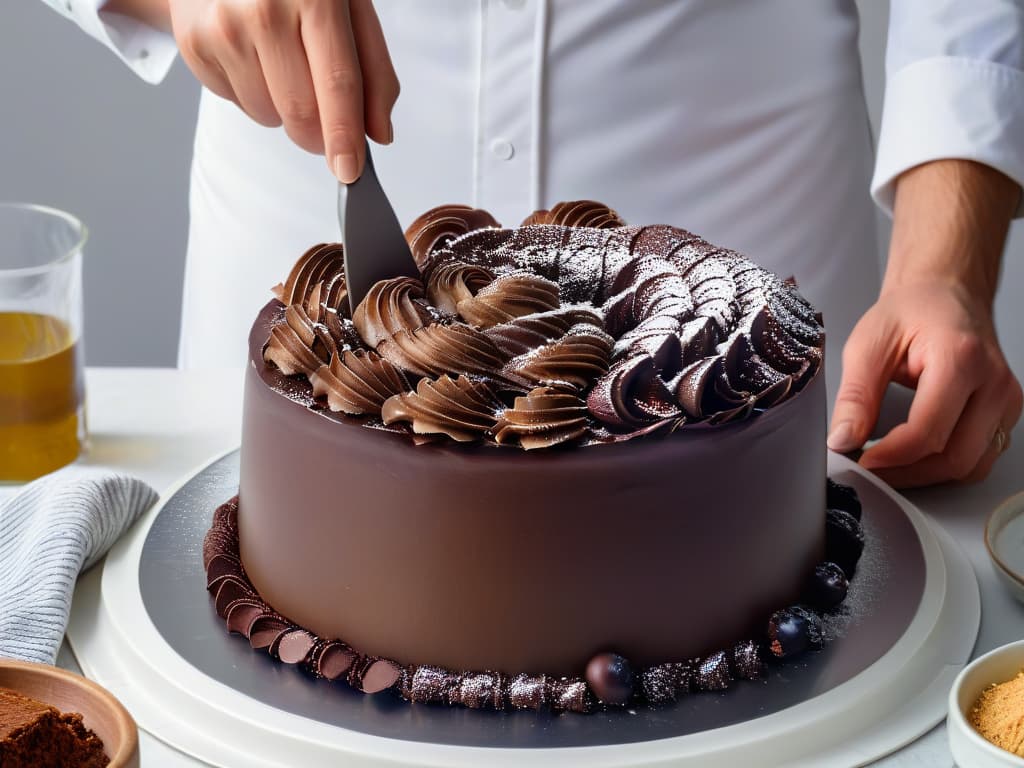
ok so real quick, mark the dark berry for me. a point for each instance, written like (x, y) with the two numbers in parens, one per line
(815, 624)
(844, 540)
(844, 497)
(788, 634)
(827, 586)
(610, 677)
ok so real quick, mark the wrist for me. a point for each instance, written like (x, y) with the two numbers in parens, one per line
(155, 13)
(950, 222)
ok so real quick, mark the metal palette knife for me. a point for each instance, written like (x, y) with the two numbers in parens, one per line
(374, 243)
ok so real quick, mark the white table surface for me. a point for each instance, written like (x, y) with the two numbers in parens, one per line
(160, 424)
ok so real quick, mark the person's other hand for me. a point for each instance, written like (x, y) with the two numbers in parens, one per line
(319, 67)
(941, 342)
(932, 330)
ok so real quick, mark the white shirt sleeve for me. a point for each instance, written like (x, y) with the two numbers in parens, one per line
(954, 89)
(147, 51)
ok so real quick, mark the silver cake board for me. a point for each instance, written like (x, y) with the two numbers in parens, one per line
(145, 627)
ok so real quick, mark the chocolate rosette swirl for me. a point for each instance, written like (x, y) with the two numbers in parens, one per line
(543, 418)
(357, 382)
(439, 226)
(577, 213)
(572, 328)
(461, 408)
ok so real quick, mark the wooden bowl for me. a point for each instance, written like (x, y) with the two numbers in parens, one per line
(69, 692)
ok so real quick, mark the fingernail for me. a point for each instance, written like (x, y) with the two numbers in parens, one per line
(391, 132)
(345, 168)
(842, 439)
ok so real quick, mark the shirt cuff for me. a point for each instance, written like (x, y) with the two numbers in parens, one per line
(147, 51)
(950, 108)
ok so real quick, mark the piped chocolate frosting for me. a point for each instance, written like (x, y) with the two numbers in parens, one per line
(626, 331)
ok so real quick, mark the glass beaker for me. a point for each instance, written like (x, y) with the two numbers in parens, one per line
(42, 392)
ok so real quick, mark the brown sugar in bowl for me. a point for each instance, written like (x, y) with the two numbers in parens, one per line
(68, 692)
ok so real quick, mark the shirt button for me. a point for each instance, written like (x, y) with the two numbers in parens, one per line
(502, 149)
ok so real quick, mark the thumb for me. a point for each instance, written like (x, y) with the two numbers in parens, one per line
(869, 360)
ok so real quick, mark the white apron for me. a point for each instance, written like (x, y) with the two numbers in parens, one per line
(741, 120)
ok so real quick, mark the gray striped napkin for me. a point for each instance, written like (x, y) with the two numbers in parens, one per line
(50, 531)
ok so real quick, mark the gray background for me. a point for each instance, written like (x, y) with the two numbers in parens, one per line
(80, 132)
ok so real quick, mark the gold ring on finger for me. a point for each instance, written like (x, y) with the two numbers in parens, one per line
(1000, 439)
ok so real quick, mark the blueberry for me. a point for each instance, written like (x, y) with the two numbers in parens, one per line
(611, 678)
(827, 586)
(815, 624)
(788, 634)
(844, 540)
(844, 497)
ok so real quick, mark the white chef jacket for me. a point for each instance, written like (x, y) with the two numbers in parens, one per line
(741, 120)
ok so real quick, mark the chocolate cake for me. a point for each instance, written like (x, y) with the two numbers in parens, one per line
(36, 735)
(577, 463)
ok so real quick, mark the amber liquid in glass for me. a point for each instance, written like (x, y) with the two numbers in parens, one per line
(41, 395)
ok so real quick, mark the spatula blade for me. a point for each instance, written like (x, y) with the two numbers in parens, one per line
(374, 243)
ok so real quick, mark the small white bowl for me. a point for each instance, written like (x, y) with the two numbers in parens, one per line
(1004, 540)
(969, 748)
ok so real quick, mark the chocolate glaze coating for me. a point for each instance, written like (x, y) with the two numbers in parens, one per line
(481, 557)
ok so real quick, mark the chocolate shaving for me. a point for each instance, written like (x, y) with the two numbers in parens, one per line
(380, 675)
(570, 695)
(480, 689)
(293, 646)
(334, 660)
(665, 682)
(222, 565)
(528, 691)
(434, 684)
(229, 589)
(712, 673)
(265, 629)
(242, 613)
(746, 661)
(223, 534)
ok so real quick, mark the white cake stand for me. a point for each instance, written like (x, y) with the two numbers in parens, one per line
(882, 708)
